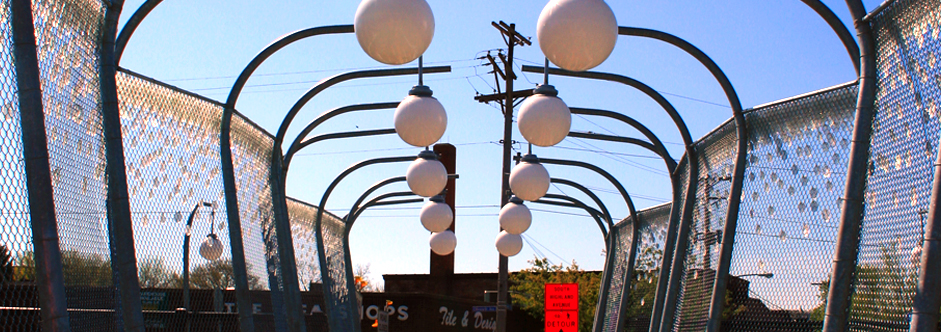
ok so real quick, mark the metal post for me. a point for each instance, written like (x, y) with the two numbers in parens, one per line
(42, 212)
(682, 243)
(503, 268)
(927, 300)
(441, 268)
(125, 258)
(847, 246)
(290, 286)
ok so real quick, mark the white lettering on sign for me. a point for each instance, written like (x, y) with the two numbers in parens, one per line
(228, 307)
(484, 324)
(447, 316)
(256, 308)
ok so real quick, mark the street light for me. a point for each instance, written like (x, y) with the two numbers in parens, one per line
(529, 180)
(436, 215)
(515, 218)
(394, 32)
(577, 34)
(211, 248)
(426, 176)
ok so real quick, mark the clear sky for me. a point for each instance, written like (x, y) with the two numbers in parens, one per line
(770, 50)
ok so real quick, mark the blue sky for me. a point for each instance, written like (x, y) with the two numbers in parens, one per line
(770, 50)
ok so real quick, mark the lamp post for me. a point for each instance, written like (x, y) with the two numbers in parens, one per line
(210, 249)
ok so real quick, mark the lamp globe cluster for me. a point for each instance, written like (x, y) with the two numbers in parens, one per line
(515, 218)
(544, 119)
(394, 32)
(577, 35)
(436, 215)
(420, 119)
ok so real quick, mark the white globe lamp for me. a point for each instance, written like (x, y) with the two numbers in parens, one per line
(394, 31)
(529, 180)
(544, 119)
(211, 248)
(577, 35)
(515, 218)
(420, 119)
(426, 176)
(509, 244)
(443, 243)
(436, 215)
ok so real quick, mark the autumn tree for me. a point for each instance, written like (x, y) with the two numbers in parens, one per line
(218, 274)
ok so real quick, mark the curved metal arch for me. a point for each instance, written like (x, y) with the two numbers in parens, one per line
(377, 201)
(353, 304)
(609, 261)
(339, 78)
(614, 181)
(348, 134)
(369, 191)
(301, 141)
(292, 299)
(653, 94)
(604, 209)
(629, 140)
(656, 147)
(594, 213)
(849, 42)
(131, 25)
(738, 173)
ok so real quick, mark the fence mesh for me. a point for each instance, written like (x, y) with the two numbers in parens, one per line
(305, 243)
(171, 144)
(622, 234)
(17, 269)
(717, 153)
(904, 147)
(68, 35)
(785, 239)
(651, 234)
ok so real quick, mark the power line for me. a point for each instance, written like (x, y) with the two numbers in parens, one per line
(287, 73)
(544, 247)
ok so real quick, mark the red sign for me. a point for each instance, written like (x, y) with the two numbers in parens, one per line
(561, 307)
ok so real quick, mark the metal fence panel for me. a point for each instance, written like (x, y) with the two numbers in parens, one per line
(798, 154)
(904, 145)
(305, 244)
(16, 263)
(640, 289)
(717, 152)
(172, 154)
(68, 37)
(622, 234)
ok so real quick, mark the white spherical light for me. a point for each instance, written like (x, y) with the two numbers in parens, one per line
(515, 217)
(211, 248)
(577, 35)
(509, 244)
(420, 120)
(529, 180)
(544, 119)
(394, 31)
(436, 215)
(443, 243)
(426, 176)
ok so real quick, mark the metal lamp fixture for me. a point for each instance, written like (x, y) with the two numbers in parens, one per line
(426, 176)
(436, 215)
(394, 32)
(509, 244)
(443, 243)
(211, 248)
(577, 35)
(544, 119)
(529, 180)
(515, 218)
(420, 119)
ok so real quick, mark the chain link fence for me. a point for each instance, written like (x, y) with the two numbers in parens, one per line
(784, 241)
(17, 268)
(904, 146)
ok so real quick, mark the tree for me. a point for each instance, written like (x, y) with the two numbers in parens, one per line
(362, 281)
(153, 273)
(6, 265)
(219, 274)
(883, 291)
(86, 269)
(528, 289)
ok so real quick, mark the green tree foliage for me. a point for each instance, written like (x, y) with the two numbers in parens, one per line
(6, 265)
(644, 284)
(153, 273)
(85, 269)
(528, 289)
(883, 292)
(218, 274)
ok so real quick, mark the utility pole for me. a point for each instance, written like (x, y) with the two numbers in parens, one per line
(512, 38)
